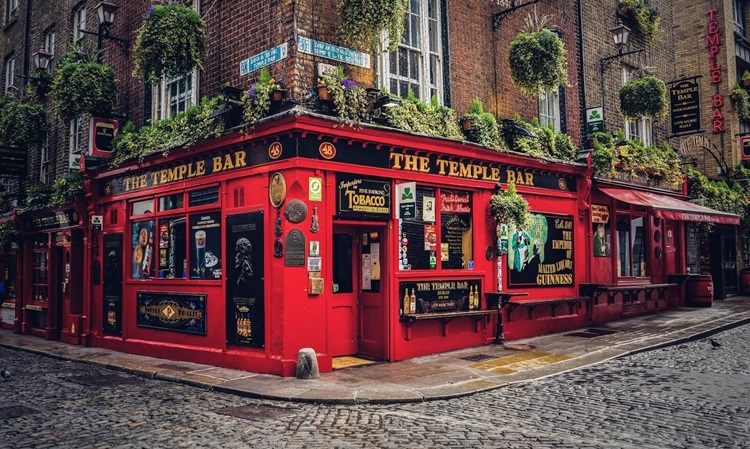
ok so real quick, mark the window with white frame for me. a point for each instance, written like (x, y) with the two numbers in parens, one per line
(10, 72)
(636, 129)
(549, 110)
(79, 23)
(174, 95)
(12, 9)
(44, 166)
(417, 64)
(49, 46)
(738, 8)
(76, 135)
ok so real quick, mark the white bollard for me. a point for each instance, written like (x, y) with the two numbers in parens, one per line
(307, 364)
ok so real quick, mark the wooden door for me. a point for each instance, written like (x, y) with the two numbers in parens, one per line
(372, 297)
(670, 247)
(343, 319)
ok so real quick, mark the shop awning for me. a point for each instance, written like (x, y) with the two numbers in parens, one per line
(670, 208)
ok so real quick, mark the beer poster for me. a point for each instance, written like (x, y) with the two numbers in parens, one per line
(143, 253)
(244, 280)
(541, 255)
(205, 247)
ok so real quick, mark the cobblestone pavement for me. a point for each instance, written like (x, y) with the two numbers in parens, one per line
(683, 396)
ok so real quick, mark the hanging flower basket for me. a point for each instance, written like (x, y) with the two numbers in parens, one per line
(643, 18)
(83, 86)
(22, 124)
(644, 97)
(537, 59)
(362, 22)
(349, 99)
(323, 93)
(170, 43)
(509, 207)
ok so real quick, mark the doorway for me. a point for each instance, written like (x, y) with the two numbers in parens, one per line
(358, 314)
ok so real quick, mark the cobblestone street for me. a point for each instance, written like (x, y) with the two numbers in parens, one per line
(689, 395)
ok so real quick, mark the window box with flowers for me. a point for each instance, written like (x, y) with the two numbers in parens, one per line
(479, 126)
(259, 98)
(349, 99)
(413, 114)
(644, 18)
(171, 42)
(509, 207)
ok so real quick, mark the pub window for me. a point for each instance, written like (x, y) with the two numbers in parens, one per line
(631, 246)
(418, 244)
(142, 207)
(171, 202)
(342, 263)
(455, 229)
(141, 266)
(203, 197)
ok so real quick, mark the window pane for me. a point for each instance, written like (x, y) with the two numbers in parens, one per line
(639, 246)
(142, 207)
(143, 250)
(393, 65)
(455, 229)
(415, 32)
(171, 202)
(203, 197)
(172, 248)
(403, 62)
(623, 246)
(419, 234)
(342, 263)
(414, 65)
(205, 235)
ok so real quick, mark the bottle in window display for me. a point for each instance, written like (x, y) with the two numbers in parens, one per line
(147, 256)
(407, 299)
(413, 302)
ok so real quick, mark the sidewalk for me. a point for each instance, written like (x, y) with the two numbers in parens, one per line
(439, 376)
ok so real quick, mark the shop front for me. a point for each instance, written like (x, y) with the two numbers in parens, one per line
(355, 242)
(9, 263)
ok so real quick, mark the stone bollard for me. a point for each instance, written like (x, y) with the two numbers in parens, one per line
(307, 364)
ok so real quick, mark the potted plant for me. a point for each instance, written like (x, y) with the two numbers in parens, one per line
(741, 100)
(170, 43)
(509, 207)
(746, 79)
(21, 123)
(479, 126)
(645, 96)
(537, 59)
(349, 99)
(643, 18)
(83, 86)
(413, 114)
(362, 23)
(258, 98)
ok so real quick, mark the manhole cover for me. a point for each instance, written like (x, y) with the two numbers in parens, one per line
(478, 358)
(104, 380)
(16, 411)
(591, 333)
(250, 411)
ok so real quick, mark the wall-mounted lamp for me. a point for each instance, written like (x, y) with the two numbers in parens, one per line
(41, 59)
(106, 12)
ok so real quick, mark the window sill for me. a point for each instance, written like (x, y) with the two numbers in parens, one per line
(10, 22)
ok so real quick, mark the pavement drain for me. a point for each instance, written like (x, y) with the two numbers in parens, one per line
(16, 411)
(591, 333)
(104, 380)
(255, 412)
(477, 358)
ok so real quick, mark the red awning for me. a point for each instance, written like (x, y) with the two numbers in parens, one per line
(671, 208)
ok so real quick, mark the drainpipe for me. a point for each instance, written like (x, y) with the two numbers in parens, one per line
(581, 78)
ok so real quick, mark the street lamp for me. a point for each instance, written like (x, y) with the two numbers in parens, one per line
(41, 59)
(106, 13)
(620, 34)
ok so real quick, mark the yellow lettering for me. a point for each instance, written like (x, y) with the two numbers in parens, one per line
(183, 171)
(529, 179)
(519, 178)
(200, 168)
(511, 177)
(155, 178)
(173, 174)
(441, 166)
(453, 168)
(228, 164)
(495, 174)
(410, 162)
(217, 164)
(239, 159)
(424, 164)
(396, 160)
(464, 170)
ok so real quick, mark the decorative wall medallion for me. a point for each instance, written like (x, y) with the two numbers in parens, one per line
(295, 211)
(278, 248)
(277, 189)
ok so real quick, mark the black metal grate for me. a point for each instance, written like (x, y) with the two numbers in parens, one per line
(478, 358)
(591, 333)
(16, 411)
(103, 380)
(258, 412)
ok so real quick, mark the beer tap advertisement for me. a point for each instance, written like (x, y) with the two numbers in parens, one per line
(205, 234)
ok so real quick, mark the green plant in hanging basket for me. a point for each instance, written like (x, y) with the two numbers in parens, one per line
(349, 99)
(644, 97)
(66, 190)
(509, 206)
(83, 86)
(537, 59)
(22, 124)
(171, 42)
(39, 85)
(644, 18)
(362, 22)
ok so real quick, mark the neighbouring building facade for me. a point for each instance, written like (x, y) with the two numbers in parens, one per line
(303, 231)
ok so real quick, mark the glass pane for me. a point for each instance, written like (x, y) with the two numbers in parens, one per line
(455, 229)
(142, 207)
(433, 70)
(432, 9)
(371, 248)
(171, 202)
(342, 264)
(414, 65)
(403, 88)
(433, 33)
(203, 197)
(394, 87)
(172, 248)
(205, 232)
(415, 32)
(623, 246)
(403, 62)
(639, 246)
(418, 242)
(393, 64)
(142, 242)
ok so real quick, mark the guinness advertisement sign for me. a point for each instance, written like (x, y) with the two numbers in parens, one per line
(359, 197)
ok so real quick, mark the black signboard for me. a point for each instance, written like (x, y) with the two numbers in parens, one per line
(542, 254)
(205, 248)
(181, 312)
(685, 107)
(245, 318)
(295, 249)
(112, 284)
(58, 219)
(13, 161)
(439, 296)
(691, 247)
(359, 197)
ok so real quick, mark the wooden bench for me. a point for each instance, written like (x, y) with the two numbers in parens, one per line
(446, 317)
(552, 302)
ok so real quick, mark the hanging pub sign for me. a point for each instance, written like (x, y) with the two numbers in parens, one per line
(45, 220)
(685, 106)
(745, 144)
(12, 161)
(542, 254)
(102, 133)
(358, 197)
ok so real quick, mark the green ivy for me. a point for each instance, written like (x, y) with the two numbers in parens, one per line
(537, 59)
(171, 42)
(659, 163)
(22, 124)
(417, 116)
(65, 190)
(257, 100)
(39, 85)
(83, 86)
(8, 233)
(645, 96)
(182, 130)
(37, 197)
(720, 195)
(362, 22)
(349, 99)
(741, 100)
(547, 144)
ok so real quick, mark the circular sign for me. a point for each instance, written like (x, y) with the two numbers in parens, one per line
(295, 211)
(108, 189)
(562, 183)
(274, 151)
(277, 189)
(327, 150)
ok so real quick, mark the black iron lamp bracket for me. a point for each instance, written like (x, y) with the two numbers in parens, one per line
(124, 44)
(605, 62)
(514, 6)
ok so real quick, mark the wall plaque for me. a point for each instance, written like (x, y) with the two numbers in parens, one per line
(295, 211)
(295, 249)
(277, 189)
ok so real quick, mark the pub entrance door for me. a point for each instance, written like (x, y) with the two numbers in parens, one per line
(358, 313)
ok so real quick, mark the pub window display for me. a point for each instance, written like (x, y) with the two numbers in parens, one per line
(631, 246)
(601, 240)
(540, 254)
(183, 246)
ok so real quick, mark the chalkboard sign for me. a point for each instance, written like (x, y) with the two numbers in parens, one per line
(691, 247)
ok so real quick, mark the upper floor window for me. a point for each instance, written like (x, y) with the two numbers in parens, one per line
(738, 8)
(12, 8)
(79, 23)
(49, 46)
(417, 63)
(44, 167)
(76, 135)
(637, 129)
(10, 72)
(549, 110)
